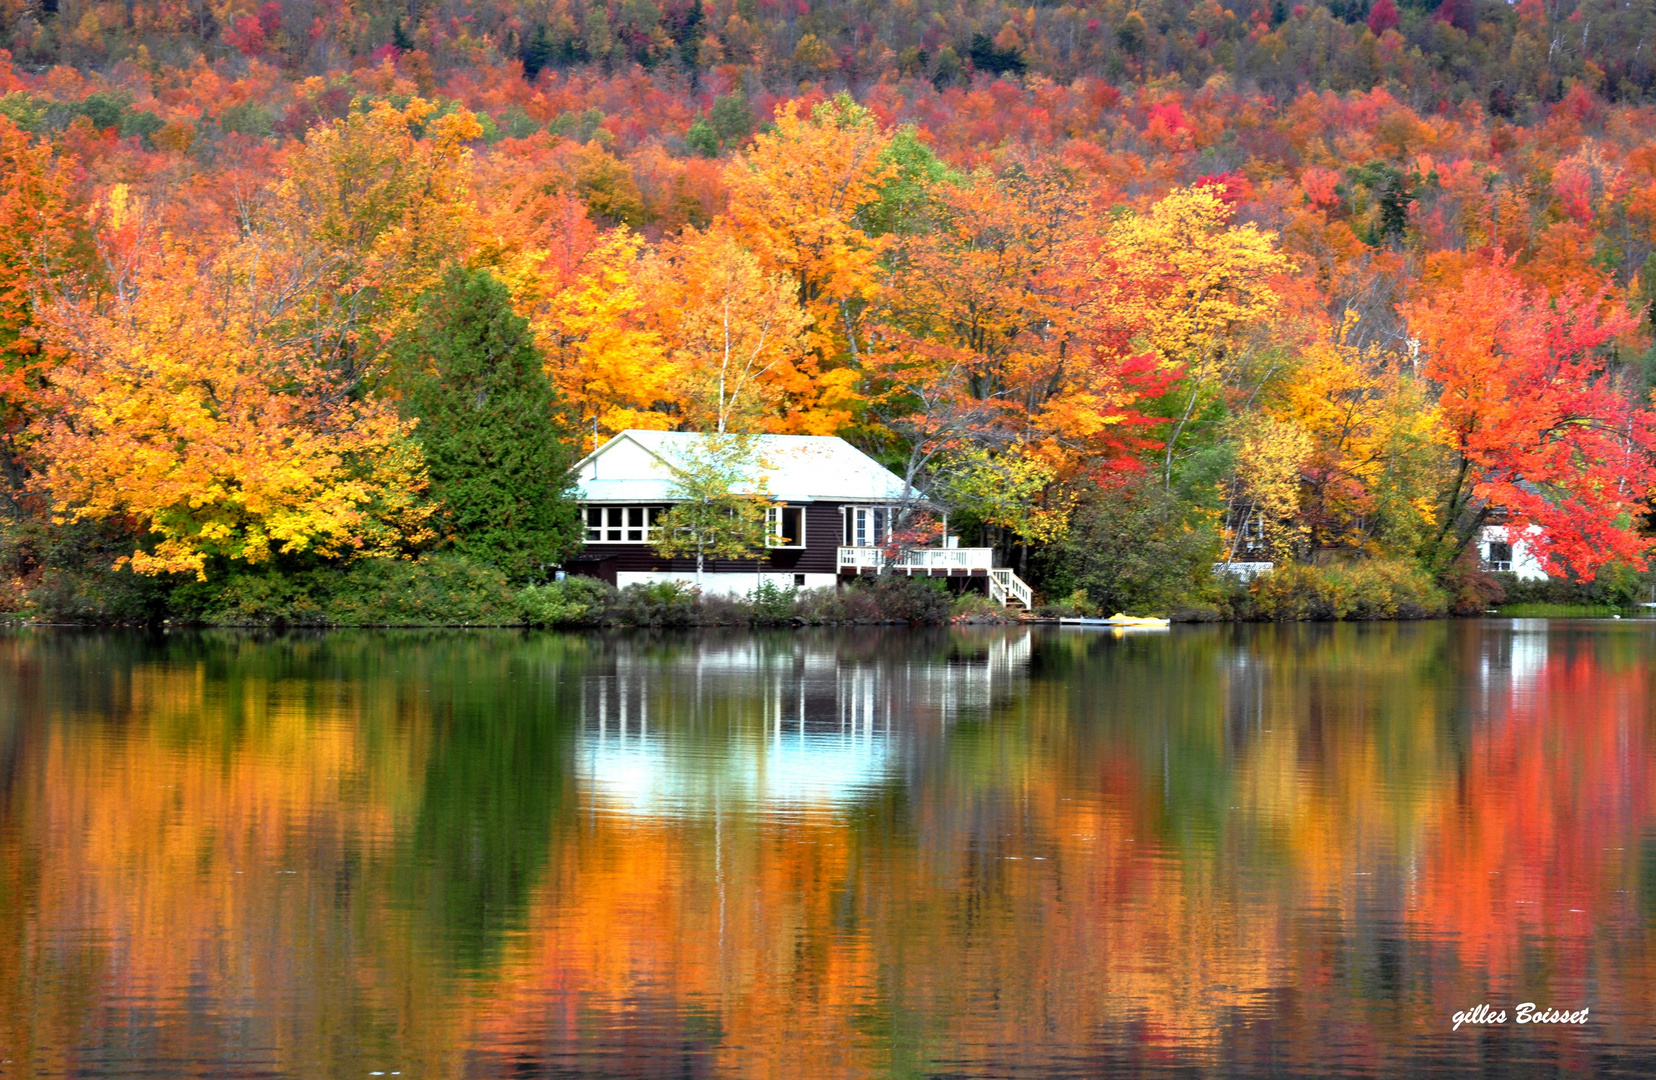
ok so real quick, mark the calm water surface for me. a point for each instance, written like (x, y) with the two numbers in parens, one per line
(1216, 851)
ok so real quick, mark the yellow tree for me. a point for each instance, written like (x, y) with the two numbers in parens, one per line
(1371, 472)
(600, 352)
(735, 332)
(1013, 490)
(183, 407)
(1262, 504)
(1189, 283)
(373, 206)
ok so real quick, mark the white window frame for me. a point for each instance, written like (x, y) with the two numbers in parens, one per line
(621, 523)
(867, 526)
(773, 527)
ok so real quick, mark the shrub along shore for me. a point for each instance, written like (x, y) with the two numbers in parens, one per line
(452, 590)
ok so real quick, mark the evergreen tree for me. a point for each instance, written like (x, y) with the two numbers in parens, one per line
(538, 52)
(485, 409)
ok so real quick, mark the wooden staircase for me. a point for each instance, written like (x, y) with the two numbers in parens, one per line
(1008, 589)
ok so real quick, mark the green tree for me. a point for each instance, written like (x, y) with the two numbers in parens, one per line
(720, 503)
(537, 53)
(486, 411)
(1134, 547)
(702, 138)
(731, 118)
(906, 194)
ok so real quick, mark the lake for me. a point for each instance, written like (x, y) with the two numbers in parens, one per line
(973, 852)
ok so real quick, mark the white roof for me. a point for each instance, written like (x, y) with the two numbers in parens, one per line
(636, 467)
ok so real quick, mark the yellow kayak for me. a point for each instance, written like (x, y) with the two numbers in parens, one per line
(1118, 619)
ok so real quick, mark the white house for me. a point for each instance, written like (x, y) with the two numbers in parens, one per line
(831, 515)
(1499, 550)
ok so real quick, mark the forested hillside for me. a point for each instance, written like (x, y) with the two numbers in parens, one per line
(1131, 288)
(1512, 57)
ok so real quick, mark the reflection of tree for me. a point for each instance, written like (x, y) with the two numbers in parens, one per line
(1553, 798)
(223, 815)
(489, 800)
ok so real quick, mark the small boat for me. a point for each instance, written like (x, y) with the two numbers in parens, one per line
(1120, 621)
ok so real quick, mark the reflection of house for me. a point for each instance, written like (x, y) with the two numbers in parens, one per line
(750, 725)
(833, 512)
(1501, 551)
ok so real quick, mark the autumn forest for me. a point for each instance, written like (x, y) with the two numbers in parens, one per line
(1130, 288)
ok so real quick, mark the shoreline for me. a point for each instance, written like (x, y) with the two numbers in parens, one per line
(14, 623)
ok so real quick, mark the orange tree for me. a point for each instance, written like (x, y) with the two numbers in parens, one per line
(42, 234)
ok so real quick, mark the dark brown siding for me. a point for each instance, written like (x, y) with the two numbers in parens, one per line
(824, 527)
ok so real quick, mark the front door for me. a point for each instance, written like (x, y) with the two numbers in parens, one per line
(865, 526)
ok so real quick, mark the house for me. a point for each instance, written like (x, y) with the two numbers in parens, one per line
(831, 515)
(1499, 550)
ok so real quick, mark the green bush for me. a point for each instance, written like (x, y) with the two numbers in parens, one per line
(1132, 547)
(664, 604)
(901, 598)
(437, 590)
(574, 601)
(1376, 589)
(976, 607)
(254, 598)
(1616, 586)
(883, 599)
(67, 574)
(829, 605)
(772, 605)
(1556, 611)
(1076, 605)
(1386, 589)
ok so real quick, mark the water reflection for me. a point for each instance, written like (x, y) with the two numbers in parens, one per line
(776, 724)
(1226, 851)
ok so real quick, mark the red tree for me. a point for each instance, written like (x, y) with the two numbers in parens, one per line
(1537, 423)
(1382, 17)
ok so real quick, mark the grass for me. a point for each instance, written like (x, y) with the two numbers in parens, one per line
(1559, 611)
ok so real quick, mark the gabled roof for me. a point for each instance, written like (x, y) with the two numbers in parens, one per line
(636, 467)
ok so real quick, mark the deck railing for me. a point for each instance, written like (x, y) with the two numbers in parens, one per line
(873, 558)
(1004, 585)
(1242, 571)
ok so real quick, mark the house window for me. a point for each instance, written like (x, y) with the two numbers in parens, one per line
(866, 526)
(1500, 556)
(785, 526)
(622, 524)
